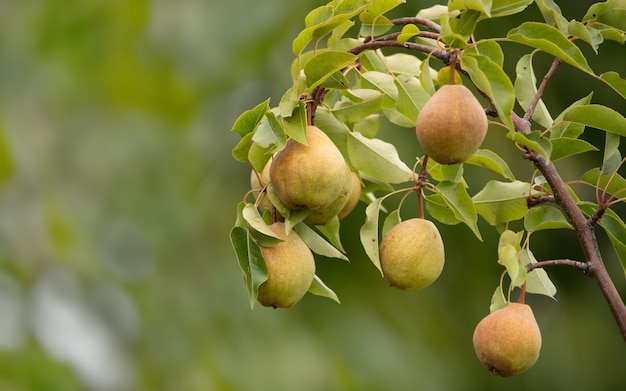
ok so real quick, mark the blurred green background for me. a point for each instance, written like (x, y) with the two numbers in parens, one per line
(119, 191)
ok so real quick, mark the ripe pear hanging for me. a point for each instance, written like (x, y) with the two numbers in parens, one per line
(451, 125)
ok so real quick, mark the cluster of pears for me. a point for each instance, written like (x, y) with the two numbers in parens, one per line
(452, 125)
(507, 341)
(412, 254)
(313, 176)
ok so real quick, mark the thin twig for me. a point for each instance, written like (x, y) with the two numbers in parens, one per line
(582, 266)
(533, 104)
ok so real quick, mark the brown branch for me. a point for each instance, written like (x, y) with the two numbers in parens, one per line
(378, 44)
(582, 266)
(421, 21)
(533, 104)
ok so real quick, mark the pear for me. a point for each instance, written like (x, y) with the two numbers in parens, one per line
(507, 341)
(412, 254)
(324, 215)
(451, 125)
(290, 269)
(309, 176)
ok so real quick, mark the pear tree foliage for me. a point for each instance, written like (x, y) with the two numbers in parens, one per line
(356, 69)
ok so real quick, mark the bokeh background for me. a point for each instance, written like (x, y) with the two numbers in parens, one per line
(118, 191)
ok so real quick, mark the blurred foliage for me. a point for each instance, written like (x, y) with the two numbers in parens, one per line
(119, 190)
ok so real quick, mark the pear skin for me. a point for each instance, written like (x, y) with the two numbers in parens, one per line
(507, 341)
(309, 176)
(290, 267)
(412, 254)
(452, 125)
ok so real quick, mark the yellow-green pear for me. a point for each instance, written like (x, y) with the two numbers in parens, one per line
(324, 215)
(355, 195)
(452, 125)
(290, 268)
(507, 341)
(412, 254)
(309, 176)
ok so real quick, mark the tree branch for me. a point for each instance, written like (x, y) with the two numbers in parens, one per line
(378, 44)
(533, 104)
(582, 266)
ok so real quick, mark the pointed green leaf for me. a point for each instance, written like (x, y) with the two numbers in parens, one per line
(321, 67)
(426, 77)
(612, 159)
(534, 141)
(508, 256)
(270, 132)
(526, 90)
(491, 79)
(537, 281)
(611, 13)
(490, 49)
(483, 6)
(253, 218)
(492, 161)
(318, 288)
(240, 152)
(411, 96)
(552, 14)
(617, 184)
(250, 119)
(250, 259)
(551, 41)
(545, 217)
(498, 300)
(378, 159)
(616, 82)
(501, 202)
(331, 232)
(508, 7)
(316, 243)
(568, 129)
(597, 116)
(373, 26)
(369, 233)
(439, 209)
(384, 83)
(564, 147)
(363, 103)
(408, 32)
(588, 35)
(461, 204)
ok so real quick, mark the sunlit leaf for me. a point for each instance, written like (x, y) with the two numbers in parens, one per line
(498, 300)
(366, 102)
(411, 96)
(610, 12)
(612, 159)
(491, 78)
(552, 14)
(269, 132)
(508, 256)
(318, 288)
(295, 125)
(500, 202)
(615, 81)
(588, 35)
(321, 67)
(537, 280)
(568, 129)
(378, 159)
(248, 121)
(253, 218)
(550, 40)
(534, 141)
(369, 233)
(617, 184)
(508, 7)
(492, 161)
(438, 208)
(408, 32)
(490, 49)
(316, 243)
(373, 26)
(456, 197)
(526, 90)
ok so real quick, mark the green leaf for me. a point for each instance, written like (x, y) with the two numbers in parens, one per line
(295, 217)
(491, 78)
(508, 7)
(373, 26)
(564, 147)
(250, 260)
(490, 49)
(270, 132)
(403, 64)
(318, 288)
(501, 202)
(526, 90)
(291, 98)
(448, 35)
(316, 243)
(498, 300)
(456, 197)
(384, 83)
(295, 125)
(392, 219)
(588, 35)
(439, 209)
(368, 126)
(568, 129)
(483, 6)
(597, 116)
(537, 280)
(362, 104)
(250, 119)
(377, 159)
(369, 233)
(322, 67)
(253, 218)
(617, 184)
(551, 41)
(426, 77)
(534, 141)
(411, 96)
(508, 256)
(545, 217)
(408, 32)
(492, 161)
(611, 13)
(610, 33)
(616, 82)
(240, 152)
(612, 159)
(552, 14)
